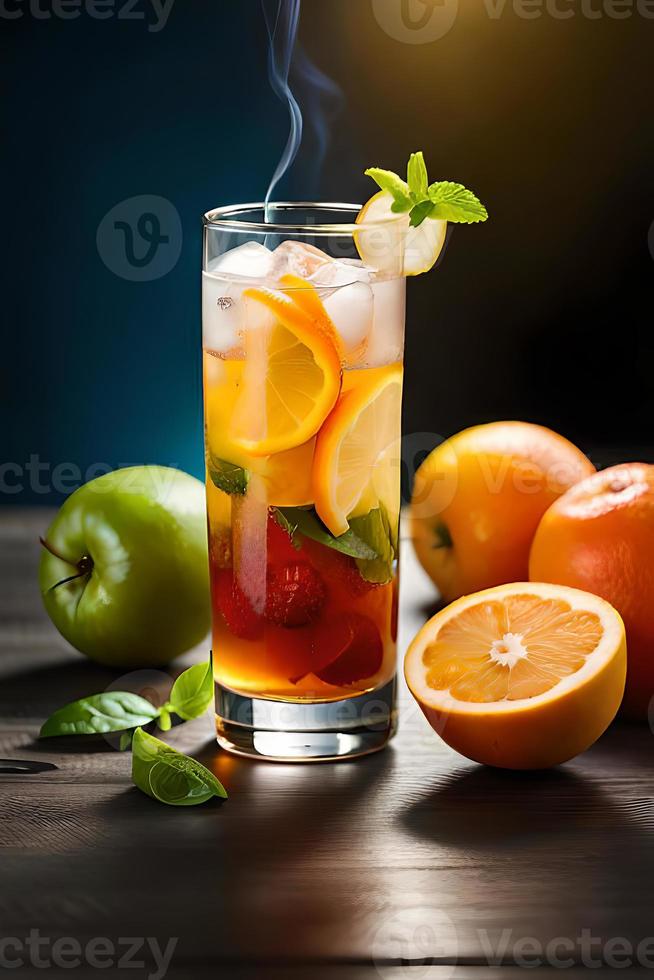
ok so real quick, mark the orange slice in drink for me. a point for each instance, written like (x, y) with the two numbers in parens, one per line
(522, 676)
(305, 295)
(291, 381)
(356, 460)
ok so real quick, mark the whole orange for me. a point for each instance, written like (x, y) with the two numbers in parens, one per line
(600, 537)
(478, 498)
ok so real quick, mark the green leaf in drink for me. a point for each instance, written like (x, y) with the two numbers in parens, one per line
(169, 776)
(370, 540)
(228, 477)
(308, 523)
(375, 528)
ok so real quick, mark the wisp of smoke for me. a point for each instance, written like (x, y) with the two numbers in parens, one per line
(282, 18)
(321, 96)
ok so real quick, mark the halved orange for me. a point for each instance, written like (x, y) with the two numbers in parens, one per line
(522, 676)
(356, 460)
(291, 379)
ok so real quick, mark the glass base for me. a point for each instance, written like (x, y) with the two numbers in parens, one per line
(286, 731)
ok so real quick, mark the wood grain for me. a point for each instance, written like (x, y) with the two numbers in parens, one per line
(413, 862)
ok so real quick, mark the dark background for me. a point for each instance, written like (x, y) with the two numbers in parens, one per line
(543, 313)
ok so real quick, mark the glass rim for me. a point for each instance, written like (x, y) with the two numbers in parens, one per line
(225, 218)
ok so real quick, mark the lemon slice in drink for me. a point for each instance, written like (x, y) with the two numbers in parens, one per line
(521, 676)
(355, 463)
(294, 381)
(389, 244)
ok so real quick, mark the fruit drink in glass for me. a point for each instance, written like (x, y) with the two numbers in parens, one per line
(302, 369)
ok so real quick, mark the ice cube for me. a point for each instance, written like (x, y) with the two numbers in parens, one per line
(298, 259)
(251, 260)
(341, 272)
(225, 313)
(344, 288)
(350, 308)
(386, 340)
(342, 284)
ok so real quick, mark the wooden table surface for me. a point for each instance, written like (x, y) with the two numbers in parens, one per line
(410, 863)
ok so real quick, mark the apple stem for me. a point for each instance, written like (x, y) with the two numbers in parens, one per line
(71, 578)
(48, 547)
(84, 566)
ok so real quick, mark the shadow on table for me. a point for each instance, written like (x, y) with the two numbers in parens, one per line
(486, 806)
(40, 691)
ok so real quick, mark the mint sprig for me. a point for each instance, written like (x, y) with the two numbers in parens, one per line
(443, 199)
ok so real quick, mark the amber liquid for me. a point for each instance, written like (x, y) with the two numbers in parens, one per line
(293, 619)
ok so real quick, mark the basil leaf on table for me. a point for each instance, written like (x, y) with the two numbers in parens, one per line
(169, 776)
(113, 711)
(192, 692)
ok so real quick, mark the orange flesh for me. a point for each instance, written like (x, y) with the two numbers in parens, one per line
(506, 650)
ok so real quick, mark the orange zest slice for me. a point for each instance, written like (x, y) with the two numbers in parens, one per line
(356, 460)
(305, 295)
(291, 380)
(523, 676)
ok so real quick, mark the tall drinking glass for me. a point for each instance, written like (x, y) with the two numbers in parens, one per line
(302, 353)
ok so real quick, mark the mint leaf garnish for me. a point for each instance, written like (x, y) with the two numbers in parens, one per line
(454, 202)
(416, 175)
(419, 212)
(442, 200)
(98, 714)
(170, 776)
(228, 477)
(398, 188)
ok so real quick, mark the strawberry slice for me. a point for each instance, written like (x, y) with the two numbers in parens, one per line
(237, 613)
(347, 649)
(295, 594)
(338, 569)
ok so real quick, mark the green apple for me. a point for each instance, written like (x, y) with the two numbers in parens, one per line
(124, 569)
